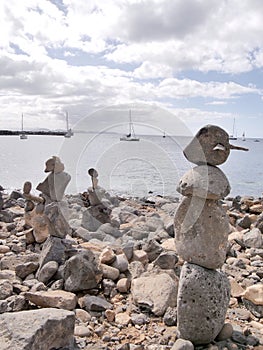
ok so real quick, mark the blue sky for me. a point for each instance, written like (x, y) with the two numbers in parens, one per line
(201, 60)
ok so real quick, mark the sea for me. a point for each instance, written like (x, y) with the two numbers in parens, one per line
(153, 165)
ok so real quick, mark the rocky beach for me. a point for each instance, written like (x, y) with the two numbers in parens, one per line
(114, 285)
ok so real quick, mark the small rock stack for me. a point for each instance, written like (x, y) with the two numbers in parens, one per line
(201, 235)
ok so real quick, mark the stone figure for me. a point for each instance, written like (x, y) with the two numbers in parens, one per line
(54, 185)
(100, 202)
(47, 213)
(201, 236)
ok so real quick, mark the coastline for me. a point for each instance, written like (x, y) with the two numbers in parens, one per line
(141, 232)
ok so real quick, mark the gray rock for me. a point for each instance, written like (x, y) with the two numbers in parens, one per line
(3, 306)
(201, 149)
(6, 289)
(10, 262)
(121, 263)
(108, 229)
(166, 260)
(93, 303)
(153, 249)
(201, 232)
(53, 250)
(23, 270)
(182, 344)
(204, 181)
(170, 317)
(244, 222)
(203, 299)
(139, 319)
(127, 249)
(47, 271)
(155, 291)
(81, 272)
(89, 222)
(256, 310)
(17, 303)
(253, 238)
(56, 213)
(37, 329)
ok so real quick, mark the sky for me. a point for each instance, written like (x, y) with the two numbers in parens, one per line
(199, 60)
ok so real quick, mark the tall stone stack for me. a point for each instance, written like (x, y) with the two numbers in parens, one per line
(201, 234)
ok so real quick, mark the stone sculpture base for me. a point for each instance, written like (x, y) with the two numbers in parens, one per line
(202, 302)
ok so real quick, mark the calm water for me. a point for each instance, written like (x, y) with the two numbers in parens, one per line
(134, 168)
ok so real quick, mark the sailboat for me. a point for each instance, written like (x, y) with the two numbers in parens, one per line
(243, 136)
(69, 132)
(233, 136)
(23, 135)
(164, 134)
(131, 134)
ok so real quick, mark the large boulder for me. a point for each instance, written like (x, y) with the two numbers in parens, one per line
(203, 299)
(155, 292)
(37, 329)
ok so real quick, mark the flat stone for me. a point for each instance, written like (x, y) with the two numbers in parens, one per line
(23, 270)
(37, 329)
(6, 289)
(53, 298)
(203, 299)
(94, 303)
(201, 232)
(201, 149)
(204, 181)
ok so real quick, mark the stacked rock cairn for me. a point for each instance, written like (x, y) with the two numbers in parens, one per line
(201, 234)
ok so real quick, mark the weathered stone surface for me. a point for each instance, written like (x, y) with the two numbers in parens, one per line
(203, 299)
(155, 292)
(107, 256)
(121, 263)
(254, 294)
(93, 303)
(53, 250)
(40, 223)
(6, 289)
(47, 271)
(10, 262)
(53, 298)
(253, 238)
(81, 272)
(182, 344)
(201, 150)
(56, 213)
(37, 329)
(23, 270)
(201, 232)
(204, 181)
(166, 260)
(109, 272)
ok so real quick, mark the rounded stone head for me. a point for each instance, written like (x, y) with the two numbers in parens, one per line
(54, 165)
(209, 146)
(93, 172)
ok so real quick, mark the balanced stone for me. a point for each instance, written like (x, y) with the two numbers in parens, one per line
(203, 298)
(204, 181)
(209, 146)
(201, 231)
(53, 187)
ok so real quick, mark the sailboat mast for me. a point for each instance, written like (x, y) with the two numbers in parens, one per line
(22, 123)
(67, 119)
(130, 123)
